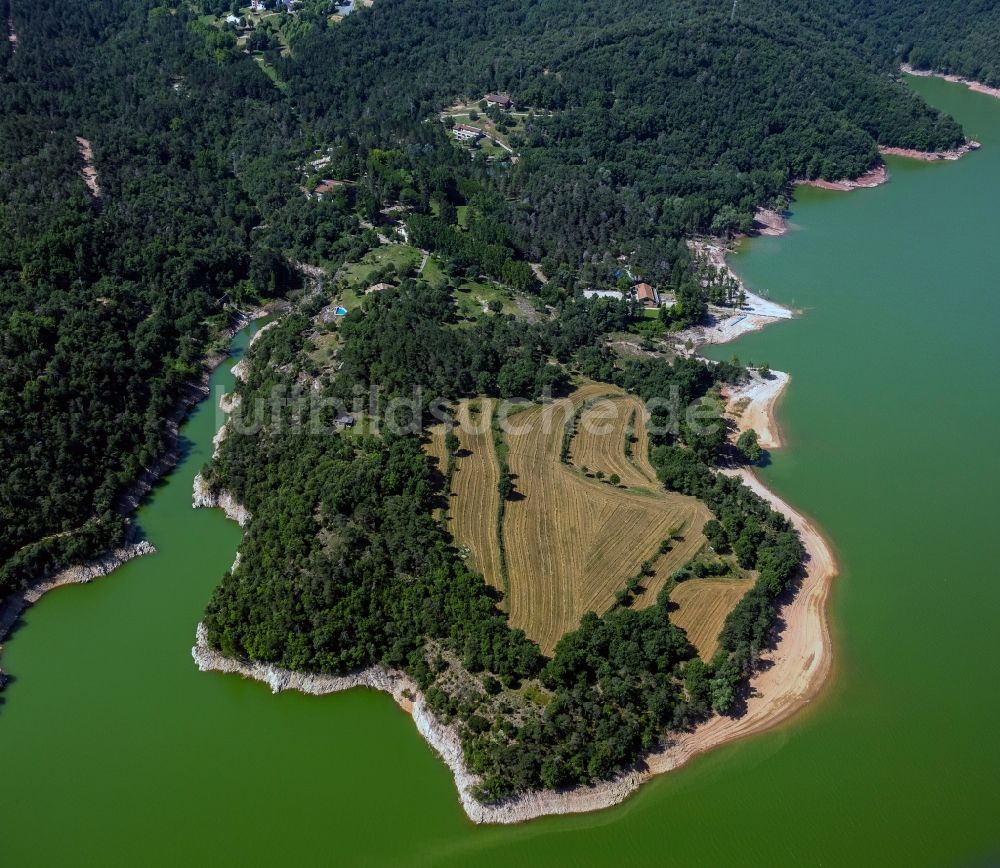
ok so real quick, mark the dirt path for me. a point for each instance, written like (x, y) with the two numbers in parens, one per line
(89, 172)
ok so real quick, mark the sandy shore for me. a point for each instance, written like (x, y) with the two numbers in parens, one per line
(976, 86)
(769, 222)
(874, 178)
(796, 671)
(725, 324)
(751, 405)
(931, 156)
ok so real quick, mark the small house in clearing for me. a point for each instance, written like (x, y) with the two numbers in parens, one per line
(345, 421)
(466, 133)
(646, 295)
(502, 100)
(378, 287)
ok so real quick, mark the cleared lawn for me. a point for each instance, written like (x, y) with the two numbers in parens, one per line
(572, 542)
(402, 256)
(432, 272)
(472, 296)
(702, 606)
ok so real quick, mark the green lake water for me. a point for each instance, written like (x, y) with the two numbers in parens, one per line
(115, 750)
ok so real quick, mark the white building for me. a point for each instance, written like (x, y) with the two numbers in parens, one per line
(466, 133)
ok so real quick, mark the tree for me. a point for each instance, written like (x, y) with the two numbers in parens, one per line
(749, 446)
(614, 479)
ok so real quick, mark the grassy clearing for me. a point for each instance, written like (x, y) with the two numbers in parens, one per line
(702, 606)
(270, 72)
(486, 124)
(472, 296)
(572, 542)
(433, 273)
(325, 354)
(401, 256)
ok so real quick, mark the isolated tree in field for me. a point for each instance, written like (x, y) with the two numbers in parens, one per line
(614, 479)
(451, 442)
(749, 446)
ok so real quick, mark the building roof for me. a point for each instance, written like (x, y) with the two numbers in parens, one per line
(499, 99)
(465, 128)
(644, 292)
(378, 287)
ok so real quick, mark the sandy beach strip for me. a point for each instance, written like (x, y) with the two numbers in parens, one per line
(751, 405)
(874, 178)
(976, 86)
(931, 156)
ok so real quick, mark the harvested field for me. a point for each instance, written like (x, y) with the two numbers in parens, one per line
(571, 541)
(438, 453)
(702, 606)
(471, 513)
(599, 441)
(475, 496)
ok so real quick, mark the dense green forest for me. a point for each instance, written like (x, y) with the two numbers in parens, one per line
(108, 302)
(666, 118)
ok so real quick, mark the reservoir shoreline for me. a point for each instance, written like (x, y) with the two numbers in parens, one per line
(128, 501)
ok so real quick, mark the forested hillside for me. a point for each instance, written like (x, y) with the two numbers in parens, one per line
(107, 301)
(960, 37)
(668, 118)
(650, 121)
